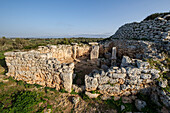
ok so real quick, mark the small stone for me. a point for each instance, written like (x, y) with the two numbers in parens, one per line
(126, 100)
(126, 61)
(90, 95)
(140, 104)
(122, 107)
(116, 98)
(142, 65)
(145, 76)
(123, 70)
(48, 111)
(163, 83)
(105, 97)
(75, 100)
(90, 83)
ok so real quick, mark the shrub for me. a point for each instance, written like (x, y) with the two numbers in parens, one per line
(24, 102)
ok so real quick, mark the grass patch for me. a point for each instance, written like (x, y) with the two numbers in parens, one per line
(23, 102)
(63, 91)
(73, 92)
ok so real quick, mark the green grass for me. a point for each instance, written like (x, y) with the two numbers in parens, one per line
(3, 67)
(23, 102)
(117, 105)
(32, 43)
(73, 92)
(95, 92)
(63, 91)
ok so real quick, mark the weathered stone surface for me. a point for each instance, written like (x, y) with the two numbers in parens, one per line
(105, 97)
(75, 100)
(115, 75)
(40, 68)
(90, 83)
(126, 100)
(163, 83)
(94, 54)
(103, 80)
(140, 104)
(124, 81)
(108, 89)
(67, 81)
(77, 89)
(113, 53)
(142, 65)
(145, 76)
(90, 95)
(126, 61)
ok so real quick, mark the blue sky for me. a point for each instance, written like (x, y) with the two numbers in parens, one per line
(63, 18)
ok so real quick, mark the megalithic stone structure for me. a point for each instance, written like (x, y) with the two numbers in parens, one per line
(74, 50)
(113, 58)
(94, 54)
(113, 53)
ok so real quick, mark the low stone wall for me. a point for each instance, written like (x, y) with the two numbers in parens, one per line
(63, 52)
(35, 67)
(132, 48)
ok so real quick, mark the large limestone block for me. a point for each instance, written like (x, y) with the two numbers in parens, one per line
(126, 61)
(67, 81)
(94, 54)
(90, 83)
(114, 53)
(108, 89)
(90, 95)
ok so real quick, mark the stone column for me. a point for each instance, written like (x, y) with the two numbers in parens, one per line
(94, 54)
(114, 53)
(74, 50)
(113, 58)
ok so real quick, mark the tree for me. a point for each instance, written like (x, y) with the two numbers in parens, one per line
(3, 40)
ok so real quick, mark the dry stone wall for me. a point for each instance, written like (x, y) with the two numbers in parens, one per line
(131, 48)
(157, 31)
(43, 67)
(63, 52)
(132, 77)
(39, 68)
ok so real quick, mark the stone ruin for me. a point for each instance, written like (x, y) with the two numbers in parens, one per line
(50, 66)
(121, 67)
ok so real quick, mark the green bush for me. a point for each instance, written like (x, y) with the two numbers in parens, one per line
(24, 102)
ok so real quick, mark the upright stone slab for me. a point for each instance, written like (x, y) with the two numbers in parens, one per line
(113, 59)
(94, 54)
(114, 53)
(74, 50)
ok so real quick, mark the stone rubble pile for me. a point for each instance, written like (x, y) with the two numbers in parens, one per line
(133, 76)
(39, 68)
(157, 30)
(131, 48)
